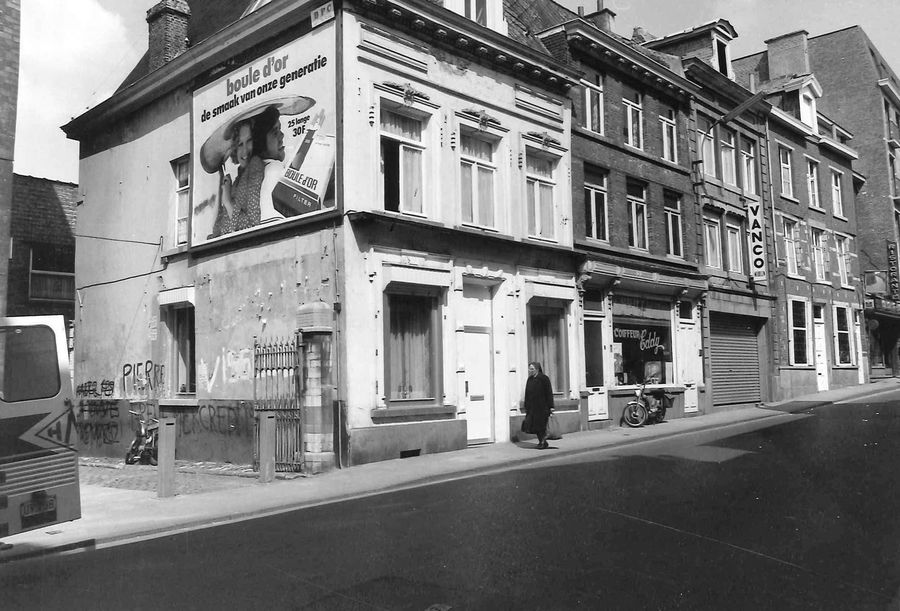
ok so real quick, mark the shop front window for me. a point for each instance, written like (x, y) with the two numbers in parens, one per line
(642, 341)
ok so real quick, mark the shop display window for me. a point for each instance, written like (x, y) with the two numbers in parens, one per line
(642, 352)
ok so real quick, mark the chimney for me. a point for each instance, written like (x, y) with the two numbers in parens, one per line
(640, 36)
(788, 54)
(603, 18)
(168, 22)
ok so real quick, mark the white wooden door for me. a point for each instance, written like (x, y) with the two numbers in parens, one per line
(477, 386)
(821, 352)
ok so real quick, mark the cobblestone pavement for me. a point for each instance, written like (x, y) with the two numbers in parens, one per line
(190, 477)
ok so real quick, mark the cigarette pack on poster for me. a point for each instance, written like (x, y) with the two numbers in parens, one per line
(302, 188)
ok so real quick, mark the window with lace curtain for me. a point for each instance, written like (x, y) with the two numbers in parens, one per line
(477, 172)
(412, 346)
(547, 340)
(540, 183)
(402, 153)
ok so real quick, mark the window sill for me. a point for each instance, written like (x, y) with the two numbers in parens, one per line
(182, 402)
(533, 238)
(175, 250)
(789, 198)
(818, 209)
(628, 391)
(799, 367)
(383, 415)
(841, 217)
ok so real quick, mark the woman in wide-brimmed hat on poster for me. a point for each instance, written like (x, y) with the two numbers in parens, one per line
(240, 198)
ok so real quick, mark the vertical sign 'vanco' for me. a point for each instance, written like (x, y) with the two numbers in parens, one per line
(893, 272)
(757, 242)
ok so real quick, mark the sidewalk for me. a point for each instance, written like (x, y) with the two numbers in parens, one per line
(115, 511)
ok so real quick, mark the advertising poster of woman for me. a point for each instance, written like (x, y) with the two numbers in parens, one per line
(263, 140)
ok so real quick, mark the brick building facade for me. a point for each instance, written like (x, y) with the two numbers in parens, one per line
(42, 248)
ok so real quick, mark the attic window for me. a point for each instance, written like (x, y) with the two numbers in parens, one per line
(808, 109)
(722, 56)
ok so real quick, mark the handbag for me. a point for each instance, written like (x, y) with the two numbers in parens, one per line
(554, 430)
(527, 424)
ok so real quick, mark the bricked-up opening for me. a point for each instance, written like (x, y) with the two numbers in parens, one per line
(168, 22)
(410, 453)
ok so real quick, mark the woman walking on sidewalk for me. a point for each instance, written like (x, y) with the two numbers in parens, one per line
(538, 403)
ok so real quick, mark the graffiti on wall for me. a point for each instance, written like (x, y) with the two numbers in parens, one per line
(231, 420)
(143, 378)
(95, 389)
(230, 367)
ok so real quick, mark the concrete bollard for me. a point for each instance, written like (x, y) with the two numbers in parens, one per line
(165, 470)
(266, 447)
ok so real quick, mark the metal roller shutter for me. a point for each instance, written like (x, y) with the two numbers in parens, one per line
(734, 360)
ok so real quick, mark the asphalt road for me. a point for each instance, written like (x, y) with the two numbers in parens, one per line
(795, 516)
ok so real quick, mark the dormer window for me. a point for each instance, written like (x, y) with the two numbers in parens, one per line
(808, 109)
(721, 56)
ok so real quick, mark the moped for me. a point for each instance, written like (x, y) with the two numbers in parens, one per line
(647, 406)
(146, 438)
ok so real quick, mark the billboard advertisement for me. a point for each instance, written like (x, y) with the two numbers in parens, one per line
(264, 140)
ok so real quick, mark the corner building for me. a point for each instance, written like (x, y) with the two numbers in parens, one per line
(407, 255)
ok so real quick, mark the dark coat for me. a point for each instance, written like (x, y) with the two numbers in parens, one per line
(538, 402)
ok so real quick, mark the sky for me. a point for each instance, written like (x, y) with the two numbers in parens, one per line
(74, 54)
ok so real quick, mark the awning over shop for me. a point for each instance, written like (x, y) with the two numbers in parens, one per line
(602, 275)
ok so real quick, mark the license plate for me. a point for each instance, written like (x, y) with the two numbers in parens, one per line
(37, 507)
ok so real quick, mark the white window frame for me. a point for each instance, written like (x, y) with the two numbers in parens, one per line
(791, 229)
(535, 183)
(786, 166)
(837, 195)
(726, 69)
(592, 191)
(471, 6)
(183, 349)
(593, 91)
(808, 108)
(734, 243)
(637, 211)
(812, 183)
(478, 165)
(182, 199)
(806, 329)
(819, 243)
(748, 166)
(842, 252)
(712, 243)
(847, 317)
(405, 144)
(669, 128)
(674, 229)
(728, 155)
(634, 110)
(707, 146)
